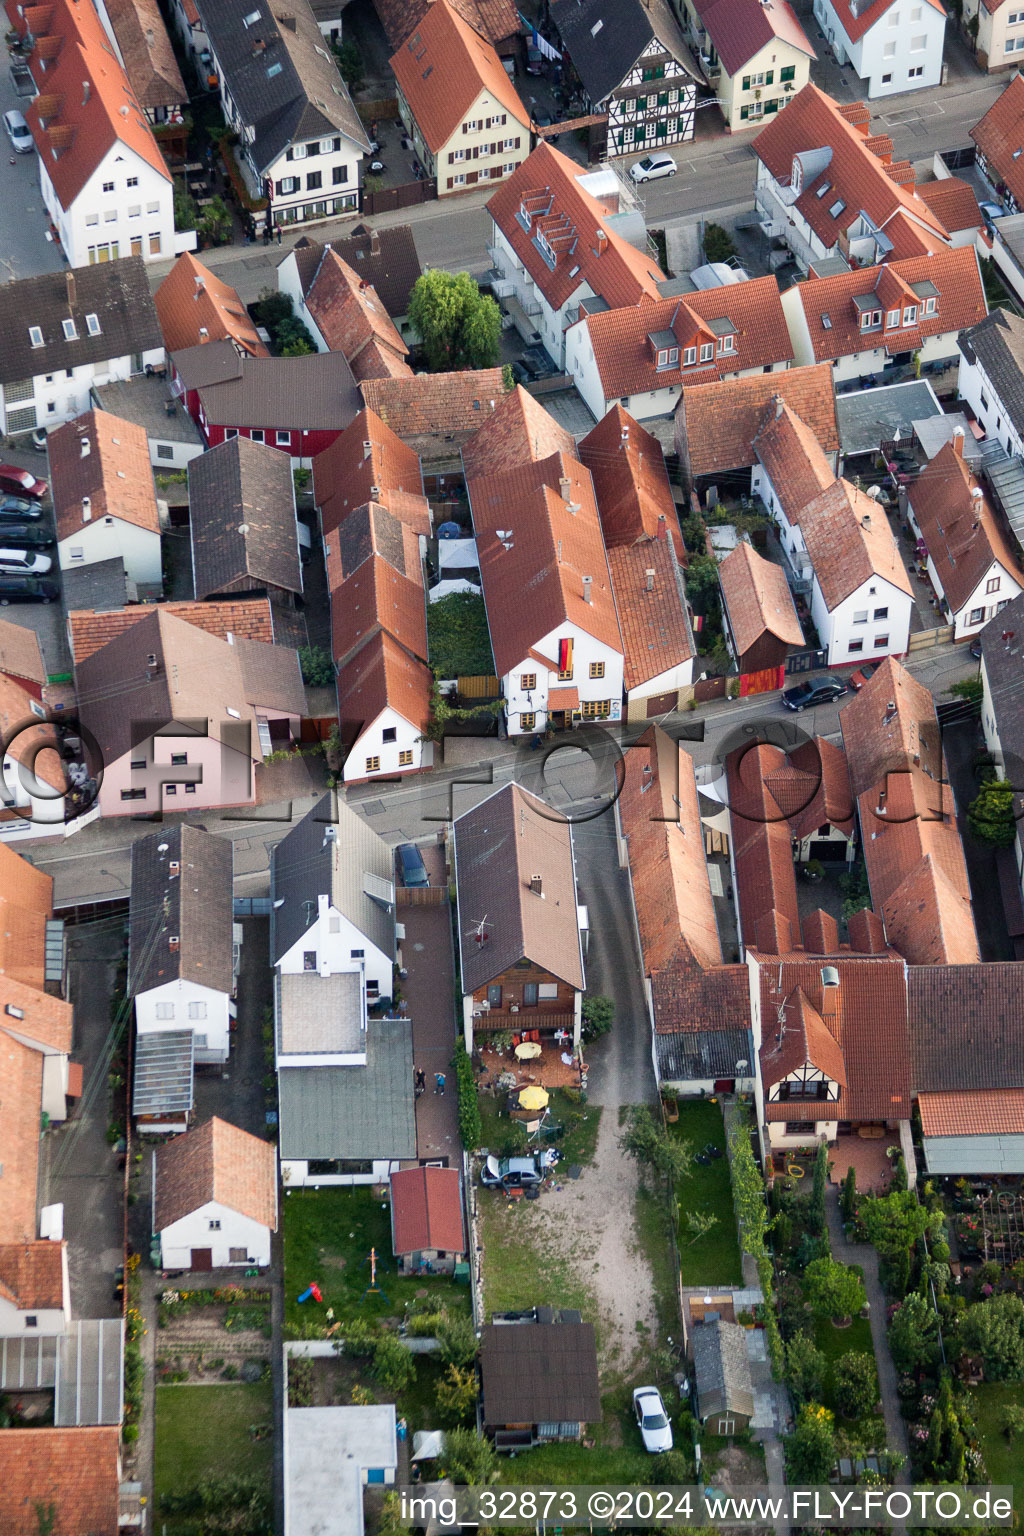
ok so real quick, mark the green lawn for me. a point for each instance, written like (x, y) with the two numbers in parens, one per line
(564, 1464)
(715, 1258)
(582, 1123)
(1005, 1462)
(328, 1235)
(204, 1432)
(654, 1241)
(522, 1267)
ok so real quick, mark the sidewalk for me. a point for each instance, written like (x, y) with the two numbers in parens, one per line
(429, 989)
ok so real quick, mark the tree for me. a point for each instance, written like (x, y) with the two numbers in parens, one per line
(895, 1224)
(834, 1290)
(994, 1329)
(598, 1015)
(970, 688)
(186, 211)
(914, 1334)
(1012, 1422)
(702, 583)
(651, 1145)
(317, 666)
(899, 1173)
(393, 1365)
(350, 63)
(214, 224)
(805, 1369)
(459, 326)
(811, 1448)
(700, 1224)
(457, 1338)
(468, 1459)
(718, 243)
(856, 1383)
(456, 1393)
(990, 814)
(848, 1199)
(818, 1188)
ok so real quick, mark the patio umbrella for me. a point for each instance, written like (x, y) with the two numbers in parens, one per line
(528, 1050)
(533, 1098)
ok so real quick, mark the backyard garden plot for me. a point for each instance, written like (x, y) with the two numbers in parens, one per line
(206, 1334)
(708, 1257)
(213, 1458)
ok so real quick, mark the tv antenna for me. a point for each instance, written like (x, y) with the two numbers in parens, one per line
(479, 929)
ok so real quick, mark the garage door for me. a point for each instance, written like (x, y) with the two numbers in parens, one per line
(202, 1258)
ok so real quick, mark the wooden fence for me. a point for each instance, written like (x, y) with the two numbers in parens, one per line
(925, 639)
(421, 896)
(478, 687)
(389, 199)
(378, 111)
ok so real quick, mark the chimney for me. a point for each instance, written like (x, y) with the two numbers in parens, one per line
(587, 583)
(564, 487)
(374, 243)
(829, 991)
(72, 292)
(86, 447)
(624, 435)
(865, 521)
(86, 509)
(367, 449)
(537, 885)
(204, 334)
(200, 285)
(958, 442)
(778, 406)
(602, 243)
(662, 526)
(649, 573)
(85, 92)
(152, 664)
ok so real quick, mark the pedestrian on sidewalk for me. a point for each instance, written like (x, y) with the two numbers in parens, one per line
(439, 1083)
(421, 1081)
(277, 232)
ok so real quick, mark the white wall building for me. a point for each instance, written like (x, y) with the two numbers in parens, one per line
(215, 1198)
(893, 48)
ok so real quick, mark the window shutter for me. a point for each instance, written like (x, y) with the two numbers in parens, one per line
(449, 183)
(517, 144)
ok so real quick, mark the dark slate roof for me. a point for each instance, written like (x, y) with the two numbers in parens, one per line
(116, 292)
(722, 1369)
(307, 864)
(101, 585)
(1004, 671)
(625, 28)
(365, 1112)
(305, 99)
(539, 1372)
(316, 392)
(384, 258)
(693, 1056)
(144, 400)
(242, 511)
(192, 904)
(966, 1027)
(997, 343)
(162, 1080)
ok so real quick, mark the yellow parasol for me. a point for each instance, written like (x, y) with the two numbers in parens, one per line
(533, 1098)
(528, 1050)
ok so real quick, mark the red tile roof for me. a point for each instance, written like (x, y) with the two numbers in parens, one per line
(33, 1274)
(26, 901)
(798, 1035)
(650, 600)
(550, 549)
(366, 462)
(380, 676)
(854, 173)
(953, 201)
(792, 458)
(46, 1020)
(20, 655)
(74, 1472)
(351, 319)
(890, 727)
(997, 1112)
(35, 749)
(627, 359)
(1000, 137)
(825, 764)
(216, 1161)
(192, 300)
(112, 477)
(849, 540)
(497, 20)
(961, 302)
(757, 599)
(588, 248)
(377, 597)
(250, 618)
(443, 68)
(518, 431)
(426, 1211)
(436, 413)
(962, 533)
(21, 1072)
(689, 1000)
(717, 424)
(627, 466)
(762, 849)
(739, 29)
(856, 20)
(80, 127)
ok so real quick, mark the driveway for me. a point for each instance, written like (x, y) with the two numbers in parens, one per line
(24, 248)
(234, 1092)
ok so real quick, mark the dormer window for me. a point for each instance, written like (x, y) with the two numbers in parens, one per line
(689, 357)
(524, 216)
(930, 306)
(35, 335)
(707, 351)
(892, 318)
(726, 343)
(910, 315)
(870, 319)
(796, 180)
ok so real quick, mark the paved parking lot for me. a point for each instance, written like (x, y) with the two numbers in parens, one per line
(24, 248)
(47, 619)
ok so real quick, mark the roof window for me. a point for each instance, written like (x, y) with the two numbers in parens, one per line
(35, 335)
(272, 70)
(826, 186)
(837, 208)
(70, 330)
(92, 324)
(826, 322)
(251, 20)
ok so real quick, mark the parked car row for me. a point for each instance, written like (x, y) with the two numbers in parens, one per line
(22, 536)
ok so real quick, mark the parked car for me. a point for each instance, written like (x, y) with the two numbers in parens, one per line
(40, 440)
(21, 508)
(534, 61)
(976, 647)
(20, 482)
(806, 695)
(510, 1173)
(653, 167)
(655, 1429)
(520, 372)
(414, 871)
(26, 535)
(990, 212)
(18, 132)
(24, 562)
(857, 679)
(27, 589)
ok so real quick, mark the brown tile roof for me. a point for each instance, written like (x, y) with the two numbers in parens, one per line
(757, 599)
(500, 846)
(1000, 135)
(313, 393)
(650, 601)
(194, 903)
(890, 727)
(386, 258)
(798, 1035)
(792, 458)
(739, 29)
(36, 749)
(191, 298)
(961, 303)
(849, 540)
(552, 549)
(368, 531)
(928, 917)
(496, 20)
(252, 618)
(867, 1018)
(47, 1021)
(426, 1210)
(375, 598)
(435, 413)
(74, 1472)
(20, 656)
(963, 534)
(26, 901)
(21, 1072)
(381, 676)
(821, 933)
(954, 203)
(216, 1161)
(83, 126)
(825, 764)
(548, 185)
(113, 479)
(443, 69)
(660, 816)
(998, 1112)
(966, 1027)
(242, 519)
(366, 462)
(519, 431)
(867, 932)
(148, 53)
(856, 172)
(631, 483)
(539, 1372)
(33, 1274)
(762, 848)
(351, 319)
(627, 359)
(717, 424)
(689, 1000)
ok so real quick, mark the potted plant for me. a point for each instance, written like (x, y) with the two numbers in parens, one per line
(814, 871)
(745, 1319)
(670, 1104)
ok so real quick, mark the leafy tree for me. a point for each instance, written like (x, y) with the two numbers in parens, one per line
(393, 1365)
(457, 1338)
(317, 666)
(856, 1383)
(350, 64)
(805, 1369)
(468, 1459)
(970, 688)
(895, 1224)
(598, 1015)
(702, 584)
(811, 1448)
(700, 1224)
(214, 224)
(456, 1394)
(990, 814)
(470, 1127)
(1012, 1422)
(848, 1198)
(818, 1187)
(718, 243)
(914, 1334)
(651, 1145)
(834, 1290)
(459, 326)
(994, 1329)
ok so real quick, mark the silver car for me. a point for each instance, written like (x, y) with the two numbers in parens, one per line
(18, 132)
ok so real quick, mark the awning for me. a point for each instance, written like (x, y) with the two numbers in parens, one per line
(563, 698)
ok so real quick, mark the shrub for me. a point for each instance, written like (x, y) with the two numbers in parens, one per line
(598, 1016)
(456, 1394)
(834, 1290)
(392, 1365)
(805, 1369)
(300, 1382)
(468, 1459)
(470, 1127)
(811, 1448)
(317, 666)
(856, 1383)
(457, 1337)
(718, 243)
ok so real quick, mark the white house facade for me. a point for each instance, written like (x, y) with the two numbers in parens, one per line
(233, 1240)
(110, 538)
(874, 621)
(388, 745)
(183, 1004)
(125, 208)
(333, 944)
(578, 664)
(901, 50)
(20, 1318)
(975, 386)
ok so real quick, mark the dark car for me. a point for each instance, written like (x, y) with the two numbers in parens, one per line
(857, 679)
(27, 589)
(20, 508)
(806, 695)
(976, 647)
(21, 482)
(26, 535)
(537, 362)
(520, 372)
(414, 871)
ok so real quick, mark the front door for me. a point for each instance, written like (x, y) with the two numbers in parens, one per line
(202, 1258)
(494, 996)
